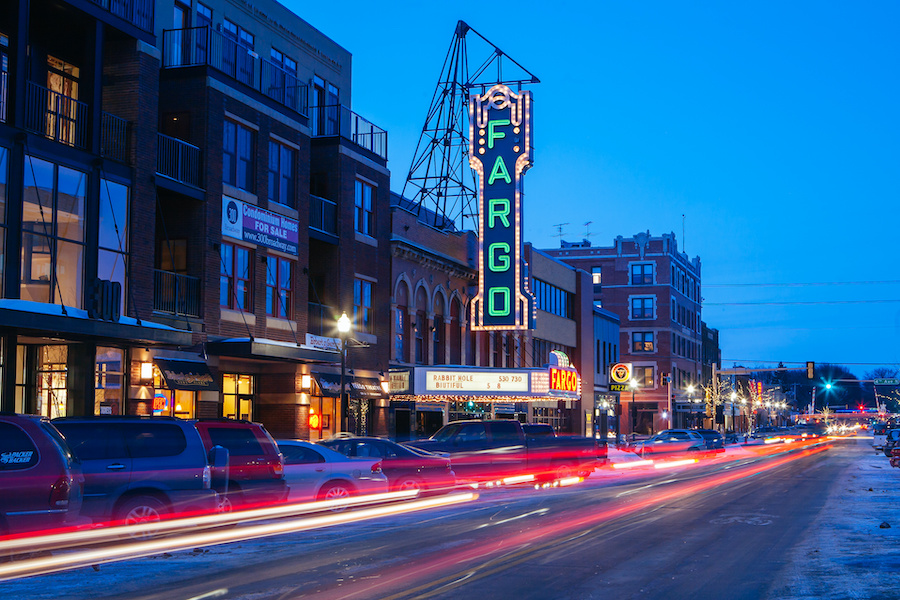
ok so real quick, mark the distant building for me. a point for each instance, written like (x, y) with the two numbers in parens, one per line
(655, 291)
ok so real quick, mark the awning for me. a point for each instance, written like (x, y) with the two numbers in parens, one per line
(358, 387)
(261, 349)
(186, 375)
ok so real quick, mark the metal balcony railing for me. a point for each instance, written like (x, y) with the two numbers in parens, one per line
(4, 92)
(178, 160)
(114, 137)
(56, 116)
(205, 46)
(322, 215)
(137, 12)
(176, 294)
(338, 120)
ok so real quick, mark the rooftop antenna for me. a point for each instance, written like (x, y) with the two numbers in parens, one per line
(559, 231)
(440, 178)
(587, 230)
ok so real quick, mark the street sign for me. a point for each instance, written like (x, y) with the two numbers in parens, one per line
(887, 382)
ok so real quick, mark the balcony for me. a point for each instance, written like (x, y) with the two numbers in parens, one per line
(338, 120)
(178, 160)
(55, 116)
(176, 294)
(322, 215)
(205, 46)
(113, 137)
(137, 12)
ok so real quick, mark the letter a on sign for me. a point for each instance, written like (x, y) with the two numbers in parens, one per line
(500, 151)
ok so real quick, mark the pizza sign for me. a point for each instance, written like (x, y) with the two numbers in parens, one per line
(620, 372)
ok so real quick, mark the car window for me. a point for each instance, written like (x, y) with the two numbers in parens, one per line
(368, 450)
(445, 433)
(681, 435)
(472, 432)
(94, 441)
(300, 455)
(503, 431)
(240, 442)
(345, 448)
(60, 442)
(387, 450)
(150, 440)
(17, 451)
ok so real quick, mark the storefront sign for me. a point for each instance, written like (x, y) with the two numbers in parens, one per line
(357, 387)
(563, 380)
(323, 343)
(186, 375)
(249, 223)
(451, 382)
(500, 141)
(399, 382)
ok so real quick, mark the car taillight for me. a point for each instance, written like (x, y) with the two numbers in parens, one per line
(207, 478)
(376, 468)
(59, 492)
(278, 468)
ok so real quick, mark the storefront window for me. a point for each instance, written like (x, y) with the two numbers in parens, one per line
(237, 396)
(109, 379)
(51, 380)
(172, 403)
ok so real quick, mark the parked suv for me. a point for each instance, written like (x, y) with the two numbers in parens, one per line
(255, 464)
(40, 480)
(139, 469)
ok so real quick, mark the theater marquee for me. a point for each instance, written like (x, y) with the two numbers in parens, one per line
(500, 147)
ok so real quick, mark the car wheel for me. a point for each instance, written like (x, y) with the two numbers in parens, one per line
(141, 510)
(410, 484)
(563, 471)
(336, 491)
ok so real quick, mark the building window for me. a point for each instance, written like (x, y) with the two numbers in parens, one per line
(237, 396)
(642, 341)
(53, 206)
(278, 287)
(552, 299)
(235, 278)
(112, 254)
(281, 173)
(237, 44)
(642, 308)
(4, 174)
(362, 306)
(644, 376)
(642, 274)
(283, 79)
(364, 217)
(596, 278)
(237, 155)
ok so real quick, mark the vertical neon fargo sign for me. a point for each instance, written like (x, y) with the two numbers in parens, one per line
(500, 146)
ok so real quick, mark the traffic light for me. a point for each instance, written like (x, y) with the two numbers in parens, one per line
(810, 370)
(315, 421)
(663, 379)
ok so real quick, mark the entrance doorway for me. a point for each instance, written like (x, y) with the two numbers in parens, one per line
(237, 396)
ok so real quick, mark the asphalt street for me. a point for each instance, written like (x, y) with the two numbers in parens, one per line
(719, 528)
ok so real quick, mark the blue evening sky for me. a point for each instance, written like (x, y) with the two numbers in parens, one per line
(773, 127)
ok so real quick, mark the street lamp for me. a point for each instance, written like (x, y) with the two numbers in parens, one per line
(343, 325)
(733, 400)
(690, 391)
(633, 384)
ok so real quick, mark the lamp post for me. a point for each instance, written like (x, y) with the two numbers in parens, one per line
(733, 426)
(633, 384)
(690, 391)
(343, 325)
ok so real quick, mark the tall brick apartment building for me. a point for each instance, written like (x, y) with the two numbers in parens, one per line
(189, 206)
(655, 291)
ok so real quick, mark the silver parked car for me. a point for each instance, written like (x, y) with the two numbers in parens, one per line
(315, 472)
(671, 441)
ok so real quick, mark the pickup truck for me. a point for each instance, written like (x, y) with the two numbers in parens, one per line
(482, 450)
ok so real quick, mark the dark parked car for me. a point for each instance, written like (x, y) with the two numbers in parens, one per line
(255, 464)
(891, 441)
(714, 440)
(405, 467)
(40, 479)
(138, 469)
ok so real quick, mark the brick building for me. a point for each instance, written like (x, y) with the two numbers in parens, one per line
(190, 205)
(655, 291)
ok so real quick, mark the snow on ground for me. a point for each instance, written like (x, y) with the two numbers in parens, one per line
(847, 553)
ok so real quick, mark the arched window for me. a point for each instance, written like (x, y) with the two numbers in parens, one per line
(438, 332)
(401, 326)
(421, 326)
(456, 354)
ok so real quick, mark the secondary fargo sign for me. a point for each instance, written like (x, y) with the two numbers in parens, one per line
(500, 151)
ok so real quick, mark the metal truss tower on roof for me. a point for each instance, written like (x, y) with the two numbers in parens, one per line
(440, 180)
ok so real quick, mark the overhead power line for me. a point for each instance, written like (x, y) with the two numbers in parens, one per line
(800, 284)
(798, 302)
